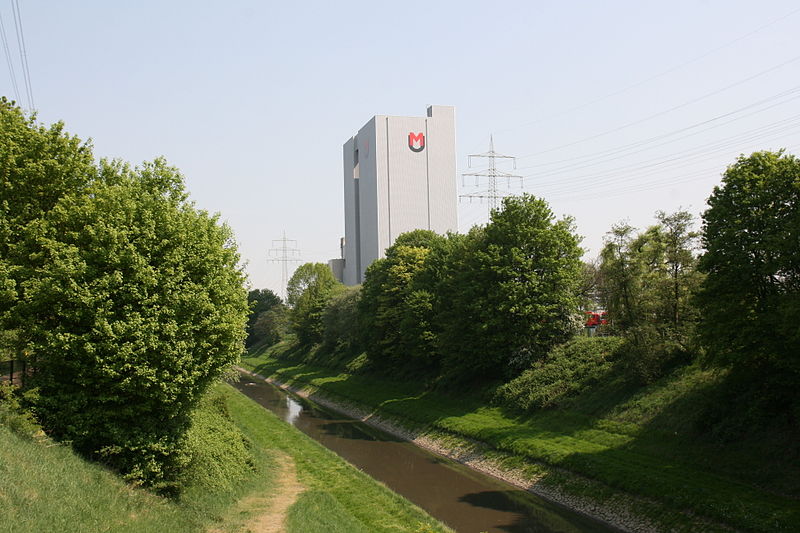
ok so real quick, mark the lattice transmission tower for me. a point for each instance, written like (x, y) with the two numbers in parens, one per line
(284, 252)
(492, 194)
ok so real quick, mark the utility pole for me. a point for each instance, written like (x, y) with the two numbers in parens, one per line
(492, 194)
(284, 252)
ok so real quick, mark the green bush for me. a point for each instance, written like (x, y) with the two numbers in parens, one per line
(219, 454)
(565, 371)
(14, 415)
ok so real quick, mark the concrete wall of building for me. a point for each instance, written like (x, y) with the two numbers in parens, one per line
(337, 267)
(443, 197)
(391, 189)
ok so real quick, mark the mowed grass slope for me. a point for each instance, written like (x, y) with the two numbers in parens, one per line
(633, 440)
(45, 487)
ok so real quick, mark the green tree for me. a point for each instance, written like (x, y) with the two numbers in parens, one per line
(513, 294)
(341, 322)
(308, 293)
(396, 306)
(648, 282)
(132, 302)
(271, 325)
(261, 301)
(750, 299)
(38, 165)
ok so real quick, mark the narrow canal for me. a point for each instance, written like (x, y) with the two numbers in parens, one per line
(466, 500)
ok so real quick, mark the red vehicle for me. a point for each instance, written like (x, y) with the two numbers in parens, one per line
(596, 318)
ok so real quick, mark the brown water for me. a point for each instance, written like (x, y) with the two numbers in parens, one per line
(466, 500)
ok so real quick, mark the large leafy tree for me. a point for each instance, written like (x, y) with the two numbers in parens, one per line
(129, 299)
(751, 296)
(396, 305)
(651, 277)
(308, 293)
(513, 293)
(648, 280)
(261, 301)
(38, 165)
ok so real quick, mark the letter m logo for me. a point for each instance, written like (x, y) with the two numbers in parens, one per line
(416, 141)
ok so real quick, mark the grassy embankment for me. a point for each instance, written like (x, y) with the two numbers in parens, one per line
(45, 487)
(621, 439)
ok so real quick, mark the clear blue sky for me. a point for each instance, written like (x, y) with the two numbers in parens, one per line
(607, 101)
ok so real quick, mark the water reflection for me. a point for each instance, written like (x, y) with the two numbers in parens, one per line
(293, 410)
(466, 500)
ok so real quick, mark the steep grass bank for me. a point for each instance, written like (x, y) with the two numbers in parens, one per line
(632, 439)
(45, 487)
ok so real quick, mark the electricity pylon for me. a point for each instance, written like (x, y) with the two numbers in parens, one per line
(284, 253)
(493, 195)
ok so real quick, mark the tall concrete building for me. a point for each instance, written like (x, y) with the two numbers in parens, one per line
(399, 175)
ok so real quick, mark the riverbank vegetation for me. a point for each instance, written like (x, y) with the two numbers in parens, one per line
(690, 401)
(47, 487)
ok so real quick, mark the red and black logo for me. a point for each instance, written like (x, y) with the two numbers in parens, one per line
(416, 141)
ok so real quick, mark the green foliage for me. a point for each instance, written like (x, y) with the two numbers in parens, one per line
(271, 325)
(511, 291)
(647, 282)
(395, 310)
(340, 321)
(132, 303)
(126, 298)
(38, 165)
(309, 291)
(566, 371)
(750, 300)
(14, 415)
(260, 301)
(220, 456)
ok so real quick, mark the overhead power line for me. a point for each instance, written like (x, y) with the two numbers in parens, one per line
(637, 172)
(9, 60)
(712, 123)
(23, 53)
(661, 74)
(780, 126)
(665, 111)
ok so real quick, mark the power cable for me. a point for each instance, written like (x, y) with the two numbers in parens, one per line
(9, 61)
(666, 111)
(602, 154)
(746, 135)
(655, 76)
(609, 178)
(23, 54)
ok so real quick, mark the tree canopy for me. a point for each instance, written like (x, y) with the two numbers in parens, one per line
(129, 300)
(751, 298)
(308, 293)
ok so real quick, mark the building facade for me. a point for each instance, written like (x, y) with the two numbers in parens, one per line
(399, 175)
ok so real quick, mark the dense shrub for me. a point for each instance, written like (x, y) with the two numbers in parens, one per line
(13, 414)
(218, 454)
(565, 371)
